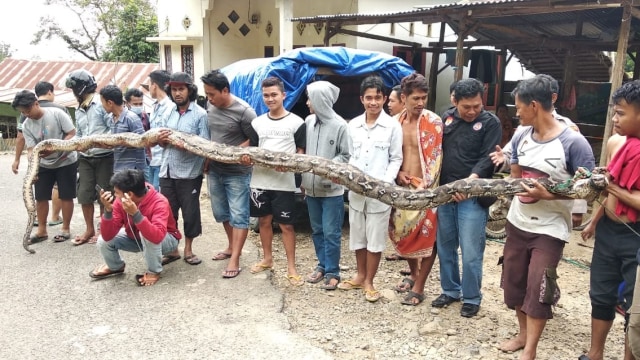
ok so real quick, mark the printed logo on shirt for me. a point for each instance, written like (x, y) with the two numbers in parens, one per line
(448, 121)
(477, 126)
(331, 142)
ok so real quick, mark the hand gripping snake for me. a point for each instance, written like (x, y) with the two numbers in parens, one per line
(585, 185)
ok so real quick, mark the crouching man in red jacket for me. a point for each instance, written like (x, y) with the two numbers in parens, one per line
(149, 227)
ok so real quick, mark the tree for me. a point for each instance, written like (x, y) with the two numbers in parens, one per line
(102, 26)
(5, 50)
(129, 42)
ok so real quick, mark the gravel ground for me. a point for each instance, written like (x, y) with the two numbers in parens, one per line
(348, 327)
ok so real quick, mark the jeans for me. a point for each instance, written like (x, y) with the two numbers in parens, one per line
(462, 225)
(152, 175)
(326, 215)
(152, 252)
(229, 196)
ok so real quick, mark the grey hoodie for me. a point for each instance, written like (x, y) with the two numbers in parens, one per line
(327, 137)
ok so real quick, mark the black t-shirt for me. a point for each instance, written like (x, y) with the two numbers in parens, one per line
(466, 145)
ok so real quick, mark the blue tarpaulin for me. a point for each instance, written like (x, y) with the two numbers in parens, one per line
(298, 67)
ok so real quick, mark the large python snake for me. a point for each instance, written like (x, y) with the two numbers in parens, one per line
(586, 185)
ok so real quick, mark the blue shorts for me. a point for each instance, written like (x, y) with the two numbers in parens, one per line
(230, 198)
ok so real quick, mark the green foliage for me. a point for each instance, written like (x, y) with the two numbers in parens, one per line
(107, 30)
(135, 24)
(629, 64)
(5, 50)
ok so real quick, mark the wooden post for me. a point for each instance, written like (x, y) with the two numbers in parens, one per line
(433, 72)
(616, 74)
(501, 68)
(568, 81)
(460, 52)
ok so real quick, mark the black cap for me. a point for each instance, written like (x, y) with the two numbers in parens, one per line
(180, 78)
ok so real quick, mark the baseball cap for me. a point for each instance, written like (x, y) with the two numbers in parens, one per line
(180, 78)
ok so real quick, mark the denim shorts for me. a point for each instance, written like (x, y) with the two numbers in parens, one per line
(230, 198)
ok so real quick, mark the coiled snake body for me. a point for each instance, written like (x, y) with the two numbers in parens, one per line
(587, 186)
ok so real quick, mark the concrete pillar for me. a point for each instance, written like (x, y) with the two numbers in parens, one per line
(286, 26)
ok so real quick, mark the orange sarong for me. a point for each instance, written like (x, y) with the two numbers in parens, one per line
(413, 232)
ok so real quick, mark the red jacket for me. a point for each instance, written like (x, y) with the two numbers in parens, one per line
(153, 220)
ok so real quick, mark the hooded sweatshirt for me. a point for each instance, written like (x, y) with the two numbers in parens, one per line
(153, 220)
(327, 137)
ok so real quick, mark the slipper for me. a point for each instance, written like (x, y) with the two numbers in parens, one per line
(93, 239)
(372, 295)
(406, 271)
(259, 267)
(231, 273)
(61, 237)
(405, 285)
(34, 239)
(192, 259)
(104, 273)
(315, 277)
(394, 257)
(349, 285)
(35, 223)
(79, 240)
(54, 223)
(408, 300)
(146, 279)
(295, 280)
(168, 259)
(584, 357)
(328, 286)
(221, 256)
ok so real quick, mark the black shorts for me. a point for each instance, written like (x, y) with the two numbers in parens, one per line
(614, 261)
(64, 176)
(184, 195)
(280, 204)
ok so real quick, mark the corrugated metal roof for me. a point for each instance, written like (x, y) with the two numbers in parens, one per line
(420, 10)
(16, 75)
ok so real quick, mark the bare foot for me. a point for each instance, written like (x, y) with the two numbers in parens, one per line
(83, 238)
(512, 345)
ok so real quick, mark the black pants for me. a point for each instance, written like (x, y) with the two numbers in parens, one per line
(184, 194)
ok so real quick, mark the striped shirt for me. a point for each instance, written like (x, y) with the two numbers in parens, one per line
(161, 111)
(125, 157)
(177, 163)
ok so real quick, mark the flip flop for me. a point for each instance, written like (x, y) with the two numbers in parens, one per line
(408, 300)
(147, 281)
(259, 267)
(349, 285)
(394, 257)
(54, 223)
(168, 259)
(372, 295)
(105, 273)
(295, 280)
(315, 277)
(192, 259)
(405, 285)
(221, 256)
(406, 271)
(61, 237)
(231, 273)
(78, 240)
(34, 239)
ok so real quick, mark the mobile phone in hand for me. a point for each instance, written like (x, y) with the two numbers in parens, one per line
(99, 189)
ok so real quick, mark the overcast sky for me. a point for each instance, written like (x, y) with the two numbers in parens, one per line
(21, 19)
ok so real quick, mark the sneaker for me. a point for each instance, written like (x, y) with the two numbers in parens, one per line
(469, 310)
(443, 301)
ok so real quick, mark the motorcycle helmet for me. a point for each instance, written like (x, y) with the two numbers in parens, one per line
(81, 82)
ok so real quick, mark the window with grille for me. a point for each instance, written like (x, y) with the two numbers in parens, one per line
(187, 59)
(167, 58)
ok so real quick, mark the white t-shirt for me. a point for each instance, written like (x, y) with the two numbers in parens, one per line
(558, 158)
(286, 135)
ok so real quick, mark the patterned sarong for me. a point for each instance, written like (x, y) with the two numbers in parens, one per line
(413, 232)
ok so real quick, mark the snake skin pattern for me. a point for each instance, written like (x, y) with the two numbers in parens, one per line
(587, 185)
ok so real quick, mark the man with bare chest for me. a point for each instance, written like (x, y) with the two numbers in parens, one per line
(413, 233)
(616, 233)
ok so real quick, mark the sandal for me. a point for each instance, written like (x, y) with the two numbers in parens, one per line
(260, 267)
(372, 295)
(295, 280)
(147, 279)
(328, 285)
(231, 273)
(54, 222)
(316, 276)
(405, 285)
(192, 259)
(168, 259)
(394, 257)
(34, 239)
(103, 271)
(221, 256)
(411, 295)
(62, 237)
(349, 285)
